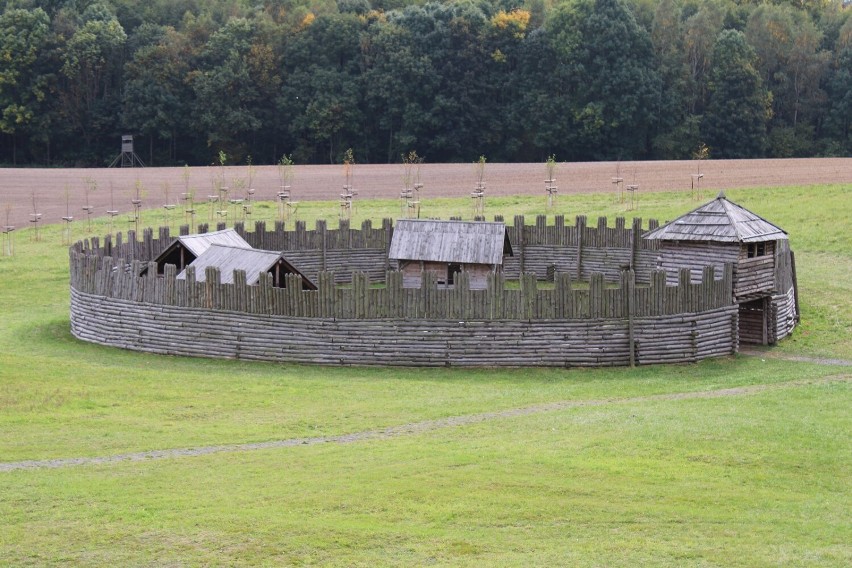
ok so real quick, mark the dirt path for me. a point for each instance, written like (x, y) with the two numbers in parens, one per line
(410, 428)
(313, 183)
(768, 354)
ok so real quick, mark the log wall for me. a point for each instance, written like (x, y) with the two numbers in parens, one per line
(755, 277)
(674, 255)
(783, 315)
(192, 331)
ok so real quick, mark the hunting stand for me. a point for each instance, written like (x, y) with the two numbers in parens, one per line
(127, 158)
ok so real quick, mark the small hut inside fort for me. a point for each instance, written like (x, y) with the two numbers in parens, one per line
(253, 262)
(186, 248)
(446, 248)
(721, 232)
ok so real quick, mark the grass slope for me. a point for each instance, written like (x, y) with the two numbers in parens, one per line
(751, 480)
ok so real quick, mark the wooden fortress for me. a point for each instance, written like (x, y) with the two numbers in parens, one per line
(437, 293)
(721, 232)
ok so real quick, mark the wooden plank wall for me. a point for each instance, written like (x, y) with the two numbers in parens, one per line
(118, 278)
(196, 331)
(783, 266)
(579, 249)
(751, 323)
(695, 255)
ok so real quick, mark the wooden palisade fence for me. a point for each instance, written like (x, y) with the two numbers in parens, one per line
(578, 249)
(609, 318)
(117, 279)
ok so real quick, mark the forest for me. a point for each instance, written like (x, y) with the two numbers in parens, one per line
(512, 80)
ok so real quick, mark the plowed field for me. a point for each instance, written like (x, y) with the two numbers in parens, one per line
(18, 186)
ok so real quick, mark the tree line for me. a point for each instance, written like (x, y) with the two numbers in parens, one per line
(513, 80)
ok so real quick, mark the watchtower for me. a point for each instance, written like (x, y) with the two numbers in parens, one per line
(127, 158)
(764, 283)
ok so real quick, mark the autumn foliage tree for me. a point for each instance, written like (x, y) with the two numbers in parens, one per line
(516, 80)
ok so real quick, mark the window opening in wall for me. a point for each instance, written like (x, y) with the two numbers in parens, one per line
(756, 249)
(451, 273)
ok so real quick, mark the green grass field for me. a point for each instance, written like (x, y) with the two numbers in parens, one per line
(645, 466)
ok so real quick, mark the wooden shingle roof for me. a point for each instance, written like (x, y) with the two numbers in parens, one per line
(463, 242)
(198, 244)
(253, 261)
(720, 220)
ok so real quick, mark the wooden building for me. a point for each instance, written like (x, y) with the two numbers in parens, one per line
(446, 248)
(228, 258)
(721, 232)
(186, 248)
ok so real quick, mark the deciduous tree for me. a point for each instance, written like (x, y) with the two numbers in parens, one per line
(739, 106)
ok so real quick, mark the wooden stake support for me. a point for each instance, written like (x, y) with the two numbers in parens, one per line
(112, 212)
(35, 219)
(633, 188)
(8, 242)
(189, 207)
(286, 208)
(68, 219)
(696, 185)
(551, 189)
(346, 201)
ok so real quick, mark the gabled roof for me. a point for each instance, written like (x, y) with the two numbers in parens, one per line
(228, 259)
(463, 242)
(199, 243)
(718, 221)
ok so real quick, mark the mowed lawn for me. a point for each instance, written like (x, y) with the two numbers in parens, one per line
(759, 477)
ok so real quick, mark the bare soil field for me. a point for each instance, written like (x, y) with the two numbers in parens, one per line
(311, 183)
